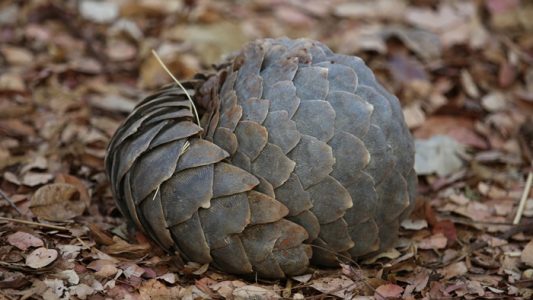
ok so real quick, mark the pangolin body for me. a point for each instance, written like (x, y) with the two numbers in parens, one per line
(301, 157)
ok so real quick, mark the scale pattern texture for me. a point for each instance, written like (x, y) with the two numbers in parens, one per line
(301, 157)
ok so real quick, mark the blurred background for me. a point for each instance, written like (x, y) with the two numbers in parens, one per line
(71, 70)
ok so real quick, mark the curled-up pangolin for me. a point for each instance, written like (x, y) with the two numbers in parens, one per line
(301, 158)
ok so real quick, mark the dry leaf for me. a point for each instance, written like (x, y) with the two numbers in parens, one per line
(439, 154)
(82, 188)
(168, 277)
(253, 292)
(56, 289)
(494, 101)
(34, 179)
(338, 286)
(527, 254)
(414, 115)
(125, 249)
(57, 202)
(17, 56)
(388, 291)
(414, 224)
(99, 11)
(12, 280)
(153, 289)
(41, 257)
(24, 240)
(104, 268)
(436, 241)
(70, 275)
(12, 82)
(81, 291)
(454, 270)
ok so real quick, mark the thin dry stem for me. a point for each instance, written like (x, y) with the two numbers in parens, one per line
(179, 84)
(3, 195)
(33, 223)
(522, 204)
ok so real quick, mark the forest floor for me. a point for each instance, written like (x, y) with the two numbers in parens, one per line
(70, 71)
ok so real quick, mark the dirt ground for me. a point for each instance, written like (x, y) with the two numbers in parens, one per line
(70, 71)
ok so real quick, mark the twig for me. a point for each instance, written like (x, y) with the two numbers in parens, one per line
(33, 223)
(525, 194)
(179, 84)
(3, 195)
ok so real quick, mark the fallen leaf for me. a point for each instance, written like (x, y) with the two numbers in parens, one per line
(211, 41)
(70, 276)
(24, 240)
(411, 224)
(81, 291)
(201, 270)
(13, 280)
(436, 241)
(168, 277)
(254, 292)
(527, 254)
(370, 9)
(405, 69)
(494, 101)
(82, 188)
(303, 278)
(69, 251)
(56, 289)
(389, 254)
(57, 202)
(104, 268)
(414, 115)
(225, 288)
(12, 82)
(34, 179)
(120, 51)
(133, 270)
(454, 270)
(446, 227)
(153, 289)
(41, 257)
(99, 11)
(113, 103)
(439, 154)
(125, 249)
(469, 84)
(338, 286)
(424, 43)
(388, 291)
(16, 55)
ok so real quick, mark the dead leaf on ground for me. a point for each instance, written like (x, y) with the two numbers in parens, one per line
(454, 270)
(253, 292)
(414, 224)
(388, 291)
(338, 286)
(527, 254)
(104, 268)
(436, 241)
(24, 240)
(439, 154)
(124, 249)
(41, 257)
(57, 202)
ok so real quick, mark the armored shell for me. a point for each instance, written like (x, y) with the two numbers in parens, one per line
(300, 157)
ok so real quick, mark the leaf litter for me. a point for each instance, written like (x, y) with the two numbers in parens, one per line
(72, 71)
